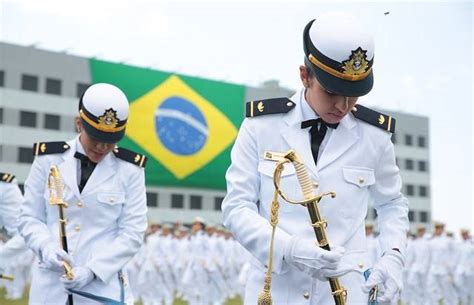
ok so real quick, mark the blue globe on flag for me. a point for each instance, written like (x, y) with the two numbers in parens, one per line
(180, 126)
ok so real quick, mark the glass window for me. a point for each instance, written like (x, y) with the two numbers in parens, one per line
(177, 201)
(2, 78)
(151, 199)
(53, 86)
(196, 202)
(408, 140)
(411, 216)
(423, 216)
(410, 189)
(81, 88)
(27, 119)
(423, 191)
(422, 166)
(1, 115)
(52, 121)
(421, 141)
(409, 164)
(218, 203)
(25, 155)
(29, 82)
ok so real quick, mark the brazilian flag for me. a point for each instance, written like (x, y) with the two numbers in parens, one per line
(186, 125)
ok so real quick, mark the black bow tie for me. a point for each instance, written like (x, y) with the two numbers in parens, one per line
(314, 122)
(87, 167)
(84, 159)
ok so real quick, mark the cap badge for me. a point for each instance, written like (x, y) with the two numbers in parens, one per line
(108, 119)
(357, 62)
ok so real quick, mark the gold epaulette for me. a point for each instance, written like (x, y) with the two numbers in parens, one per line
(268, 106)
(130, 156)
(5, 177)
(46, 148)
(374, 118)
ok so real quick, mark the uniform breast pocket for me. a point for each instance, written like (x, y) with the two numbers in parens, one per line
(358, 176)
(288, 183)
(110, 204)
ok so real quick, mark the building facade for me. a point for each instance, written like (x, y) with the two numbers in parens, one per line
(39, 92)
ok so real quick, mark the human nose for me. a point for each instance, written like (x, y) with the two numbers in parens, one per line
(342, 103)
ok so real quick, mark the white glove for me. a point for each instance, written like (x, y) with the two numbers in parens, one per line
(82, 277)
(53, 257)
(308, 257)
(387, 274)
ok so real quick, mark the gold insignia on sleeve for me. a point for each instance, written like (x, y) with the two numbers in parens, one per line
(260, 107)
(381, 119)
(357, 62)
(108, 119)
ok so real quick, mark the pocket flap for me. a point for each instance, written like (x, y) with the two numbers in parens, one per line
(111, 198)
(359, 176)
(268, 167)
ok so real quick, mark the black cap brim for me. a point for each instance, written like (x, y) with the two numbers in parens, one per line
(343, 87)
(105, 137)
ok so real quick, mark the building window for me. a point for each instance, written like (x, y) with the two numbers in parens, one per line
(423, 216)
(151, 199)
(81, 88)
(29, 82)
(410, 189)
(421, 141)
(196, 202)
(218, 203)
(1, 152)
(1, 115)
(177, 201)
(27, 119)
(408, 140)
(53, 86)
(423, 191)
(2, 78)
(409, 164)
(25, 155)
(422, 166)
(394, 138)
(411, 216)
(52, 121)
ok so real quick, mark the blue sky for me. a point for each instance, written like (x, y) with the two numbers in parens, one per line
(423, 58)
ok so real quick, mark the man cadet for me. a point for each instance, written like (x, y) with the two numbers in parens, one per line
(347, 149)
(104, 187)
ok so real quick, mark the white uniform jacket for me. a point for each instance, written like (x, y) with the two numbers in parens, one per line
(358, 163)
(105, 223)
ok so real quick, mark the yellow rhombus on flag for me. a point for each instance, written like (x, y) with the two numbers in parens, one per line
(178, 127)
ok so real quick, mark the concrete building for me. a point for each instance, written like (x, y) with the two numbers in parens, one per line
(39, 93)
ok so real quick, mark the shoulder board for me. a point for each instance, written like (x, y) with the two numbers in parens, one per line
(130, 156)
(374, 118)
(268, 106)
(4, 177)
(46, 148)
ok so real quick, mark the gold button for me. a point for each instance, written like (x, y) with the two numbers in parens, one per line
(316, 185)
(306, 295)
(80, 204)
(77, 228)
(361, 265)
(361, 180)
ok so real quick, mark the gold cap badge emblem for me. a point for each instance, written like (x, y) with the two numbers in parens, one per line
(357, 63)
(108, 119)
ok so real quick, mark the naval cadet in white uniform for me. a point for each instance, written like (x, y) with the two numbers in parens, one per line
(106, 213)
(346, 148)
